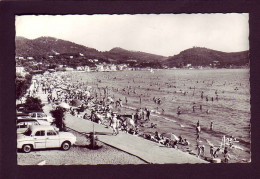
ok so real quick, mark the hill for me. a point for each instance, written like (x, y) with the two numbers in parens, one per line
(122, 54)
(135, 58)
(198, 56)
(44, 46)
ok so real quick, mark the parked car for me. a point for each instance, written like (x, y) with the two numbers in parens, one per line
(40, 137)
(41, 116)
(22, 115)
(23, 124)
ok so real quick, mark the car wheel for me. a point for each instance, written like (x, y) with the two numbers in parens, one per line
(65, 146)
(27, 148)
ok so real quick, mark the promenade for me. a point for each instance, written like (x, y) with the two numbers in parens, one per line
(148, 151)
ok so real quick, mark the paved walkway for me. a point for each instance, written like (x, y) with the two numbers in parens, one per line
(147, 150)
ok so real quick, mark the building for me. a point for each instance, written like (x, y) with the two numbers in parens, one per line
(122, 67)
(30, 58)
(80, 68)
(113, 67)
(69, 69)
(100, 68)
(87, 69)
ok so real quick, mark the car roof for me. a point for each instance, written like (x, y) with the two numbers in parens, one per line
(26, 120)
(21, 114)
(41, 127)
(38, 112)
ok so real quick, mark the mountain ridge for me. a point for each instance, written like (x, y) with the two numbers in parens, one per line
(196, 56)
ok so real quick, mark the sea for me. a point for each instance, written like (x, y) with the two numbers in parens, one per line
(217, 96)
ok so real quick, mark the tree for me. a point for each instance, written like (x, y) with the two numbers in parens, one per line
(58, 115)
(22, 84)
(33, 104)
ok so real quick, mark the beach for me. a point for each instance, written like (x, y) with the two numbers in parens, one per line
(217, 97)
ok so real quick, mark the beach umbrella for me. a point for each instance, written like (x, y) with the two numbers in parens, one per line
(64, 105)
(87, 93)
(76, 102)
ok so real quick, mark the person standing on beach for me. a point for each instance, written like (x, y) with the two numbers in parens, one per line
(114, 125)
(193, 107)
(211, 151)
(216, 153)
(199, 150)
(198, 130)
(148, 114)
(226, 156)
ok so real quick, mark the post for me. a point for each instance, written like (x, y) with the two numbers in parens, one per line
(93, 144)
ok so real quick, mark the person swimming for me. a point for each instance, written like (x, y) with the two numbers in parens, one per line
(211, 125)
(179, 110)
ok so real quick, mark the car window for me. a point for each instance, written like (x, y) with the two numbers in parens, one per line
(42, 115)
(28, 132)
(22, 125)
(40, 133)
(51, 132)
(33, 115)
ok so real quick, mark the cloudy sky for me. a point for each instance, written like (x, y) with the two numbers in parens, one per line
(164, 34)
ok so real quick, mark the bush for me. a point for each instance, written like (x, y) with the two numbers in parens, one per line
(58, 115)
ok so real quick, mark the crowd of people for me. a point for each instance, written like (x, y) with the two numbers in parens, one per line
(98, 105)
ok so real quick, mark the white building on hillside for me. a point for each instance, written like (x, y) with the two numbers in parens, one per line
(29, 58)
(87, 69)
(69, 69)
(113, 67)
(81, 68)
(100, 68)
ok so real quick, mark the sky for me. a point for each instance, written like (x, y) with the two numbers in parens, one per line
(162, 34)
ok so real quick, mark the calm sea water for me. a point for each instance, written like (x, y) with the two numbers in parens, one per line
(230, 114)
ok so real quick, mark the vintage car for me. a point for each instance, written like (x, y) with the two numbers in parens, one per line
(22, 115)
(41, 137)
(23, 124)
(40, 116)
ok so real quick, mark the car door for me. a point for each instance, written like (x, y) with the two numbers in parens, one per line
(39, 139)
(52, 139)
